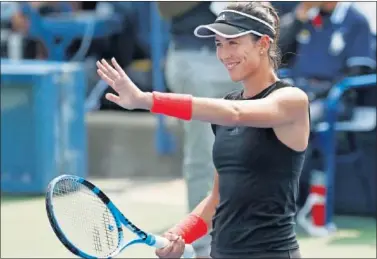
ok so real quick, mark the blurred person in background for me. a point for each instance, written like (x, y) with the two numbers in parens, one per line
(369, 9)
(17, 22)
(99, 47)
(123, 45)
(284, 7)
(323, 42)
(193, 68)
(34, 48)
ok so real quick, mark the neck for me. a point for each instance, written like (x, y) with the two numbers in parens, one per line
(259, 81)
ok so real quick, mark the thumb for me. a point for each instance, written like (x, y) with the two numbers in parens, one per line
(171, 236)
(113, 98)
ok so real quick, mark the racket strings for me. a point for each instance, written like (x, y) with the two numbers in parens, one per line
(97, 240)
(87, 222)
(108, 227)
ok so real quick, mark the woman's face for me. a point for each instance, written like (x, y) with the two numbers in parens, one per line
(241, 56)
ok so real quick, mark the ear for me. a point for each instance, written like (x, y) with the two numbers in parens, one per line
(264, 43)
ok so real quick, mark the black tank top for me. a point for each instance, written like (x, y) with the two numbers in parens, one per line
(258, 186)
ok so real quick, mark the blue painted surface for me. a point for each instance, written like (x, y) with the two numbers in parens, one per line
(165, 143)
(68, 26)
(39, 140)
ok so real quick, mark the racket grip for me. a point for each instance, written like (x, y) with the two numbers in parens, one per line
(189, 252)
(161, 242)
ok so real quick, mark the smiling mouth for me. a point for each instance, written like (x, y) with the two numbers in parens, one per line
(232, 65)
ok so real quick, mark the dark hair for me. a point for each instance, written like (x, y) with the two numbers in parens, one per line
(267, 13)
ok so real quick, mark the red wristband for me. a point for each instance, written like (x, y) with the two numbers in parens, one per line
(175, 105)
(191, 228)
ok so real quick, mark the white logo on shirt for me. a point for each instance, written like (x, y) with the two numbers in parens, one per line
(234, 131)
(337, 43)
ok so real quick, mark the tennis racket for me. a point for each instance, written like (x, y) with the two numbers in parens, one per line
(89, 225)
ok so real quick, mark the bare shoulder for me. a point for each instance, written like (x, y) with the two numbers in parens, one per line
(290, 94)
(292, 100)
(293, 103)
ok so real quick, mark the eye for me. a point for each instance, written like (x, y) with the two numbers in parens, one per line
(218, 44)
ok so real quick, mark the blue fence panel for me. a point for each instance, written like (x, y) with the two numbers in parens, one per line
(43, 132)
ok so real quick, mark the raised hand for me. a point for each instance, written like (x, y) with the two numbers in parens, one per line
(129, 95)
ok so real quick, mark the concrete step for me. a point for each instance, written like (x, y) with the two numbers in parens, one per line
(122, 144)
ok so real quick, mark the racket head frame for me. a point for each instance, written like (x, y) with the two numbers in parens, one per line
(120, 219)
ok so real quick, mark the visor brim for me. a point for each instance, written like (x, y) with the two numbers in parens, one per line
(221, 29)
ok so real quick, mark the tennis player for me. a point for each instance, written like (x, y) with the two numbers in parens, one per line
(261, 134)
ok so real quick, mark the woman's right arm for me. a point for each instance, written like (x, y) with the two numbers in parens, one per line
(193, 227)
(207, 208)
(291, 25)
(203, 213)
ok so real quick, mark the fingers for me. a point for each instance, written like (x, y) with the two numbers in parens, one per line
(179, 246)
(103, 69)
(118, 68)
(166, 251)
(116, 78)
(109, 70)
(105, 78)
(174, 249)
(171, 236)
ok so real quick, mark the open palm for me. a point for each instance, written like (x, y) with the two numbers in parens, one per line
(129, 95)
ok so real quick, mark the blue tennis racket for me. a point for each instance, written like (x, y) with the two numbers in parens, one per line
(89, 224)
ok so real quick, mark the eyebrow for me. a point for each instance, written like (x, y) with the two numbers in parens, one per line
(227, 39)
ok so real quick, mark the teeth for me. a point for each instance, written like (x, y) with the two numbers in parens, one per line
(230, 65)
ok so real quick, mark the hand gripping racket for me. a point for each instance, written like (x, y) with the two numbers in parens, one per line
(89, 224)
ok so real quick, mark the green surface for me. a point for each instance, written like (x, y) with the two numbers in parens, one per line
(5, 198)
(351, 231)
(153, 207)
(362, 231)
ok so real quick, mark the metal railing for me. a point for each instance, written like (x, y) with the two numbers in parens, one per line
(329, 135)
